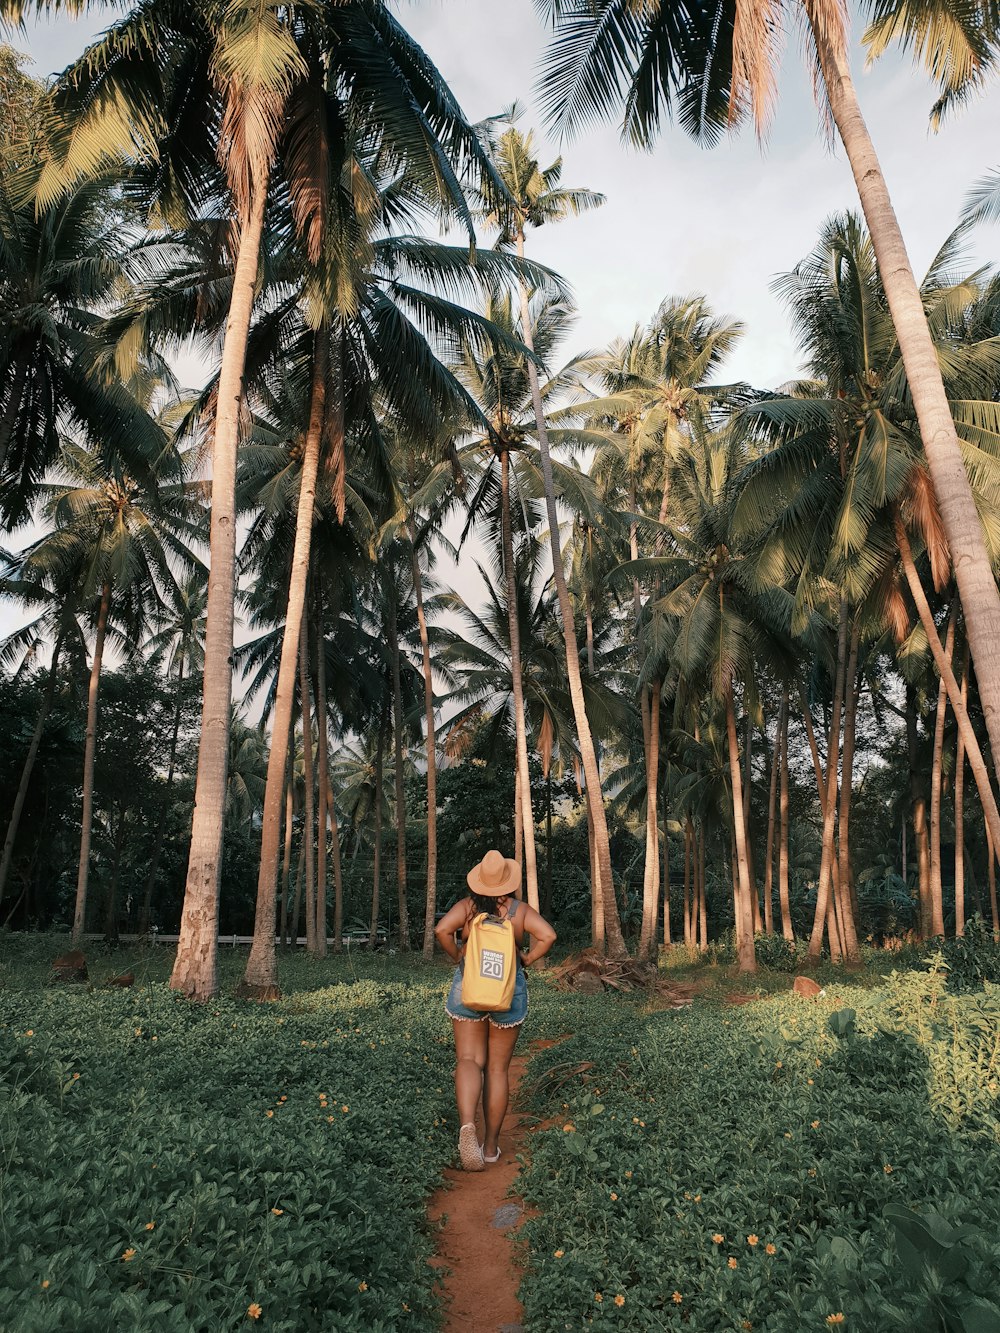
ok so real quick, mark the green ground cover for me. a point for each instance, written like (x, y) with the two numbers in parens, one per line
(785, 1165)
(169, 1166)
(852, 1166)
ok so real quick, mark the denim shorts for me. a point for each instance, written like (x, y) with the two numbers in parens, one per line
(508, 1018)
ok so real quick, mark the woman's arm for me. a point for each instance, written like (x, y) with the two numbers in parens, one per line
(452, 922)
(542, 936)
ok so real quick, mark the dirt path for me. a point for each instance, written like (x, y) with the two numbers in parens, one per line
(475, 1249)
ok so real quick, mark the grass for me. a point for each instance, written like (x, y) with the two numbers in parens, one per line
(185, 1167)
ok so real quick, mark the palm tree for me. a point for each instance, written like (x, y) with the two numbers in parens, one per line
(177, 647)
(125, 540)
(846, 458)
(56, 592)
(279, 84)
(498, 379)
(718, 64)
(658, 393)
(534, 197)
(59, 269)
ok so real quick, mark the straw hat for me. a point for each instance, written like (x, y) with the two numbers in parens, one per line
(494, 876)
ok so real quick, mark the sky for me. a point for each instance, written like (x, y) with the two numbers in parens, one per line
(683, 219)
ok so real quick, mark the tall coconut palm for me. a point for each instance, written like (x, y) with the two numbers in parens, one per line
(277, 85)
(54, 595)
(59, 270)
(715, 65)
(659, 392)
(498, 379)
(128, 542)
(533, 198)
(847, 458)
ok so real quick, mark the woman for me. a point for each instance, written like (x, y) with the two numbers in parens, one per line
(484, 1043)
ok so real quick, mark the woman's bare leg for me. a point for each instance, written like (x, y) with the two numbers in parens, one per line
(470, 1061)
(496, 1090)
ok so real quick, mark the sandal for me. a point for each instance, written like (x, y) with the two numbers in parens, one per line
(470, 1149)
(493, 1160)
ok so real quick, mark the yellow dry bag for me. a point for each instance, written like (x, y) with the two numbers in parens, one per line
(490, 965)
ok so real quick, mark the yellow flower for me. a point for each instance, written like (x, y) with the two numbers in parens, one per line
(598, 1297)
(270, 1114)
(345, 1109)
(558, 1253)
(788, 1133)
(746, 1324)
(30, 1032)
(619, 1300)
(406, 1307)
(254, 1311)
(150, 1226)
(362, 1286)
(614, 1198)
(45, 1285)
(686, 1195)
(77, 1075)
(837, 1318)
(278, 1212)
(283, 1099)
(778, 1064)
(718, 1238)
(677, 1298)
(329, 1119)
(732, 1262)
(770, 1249)
(810, 1082)
(138, 1032)
(128, 1256)
(628, 1175)
(568, 1128)
(814, 1125)
(697, 1198)
(752, 1239)
(887, 1169)
(811, 1171)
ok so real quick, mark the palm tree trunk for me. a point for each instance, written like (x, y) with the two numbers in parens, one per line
(195, 970)
(744, 898)
(518, 824)
(89, 755)
(286, 868)
(828, 794)
(937, 786)
(843, 886)
(392, 625)
(992, 875)
(338, 872)
(747, 786)
(666, 858)
(596, 886)
(323, 779)
(161, 823)
(960, 813)
(588, 753)
(919, 808)
(430, 898)
(943, 664)
(702, 898)
(523, 786)
(690, 893)
(377, 855)
(783, 894)
(260, 980)
(297, 905)
(29, 764)
(309, 788)
(772, 801)
(973, 571)
(651, 876)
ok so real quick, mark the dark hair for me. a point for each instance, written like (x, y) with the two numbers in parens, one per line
(487, 902)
